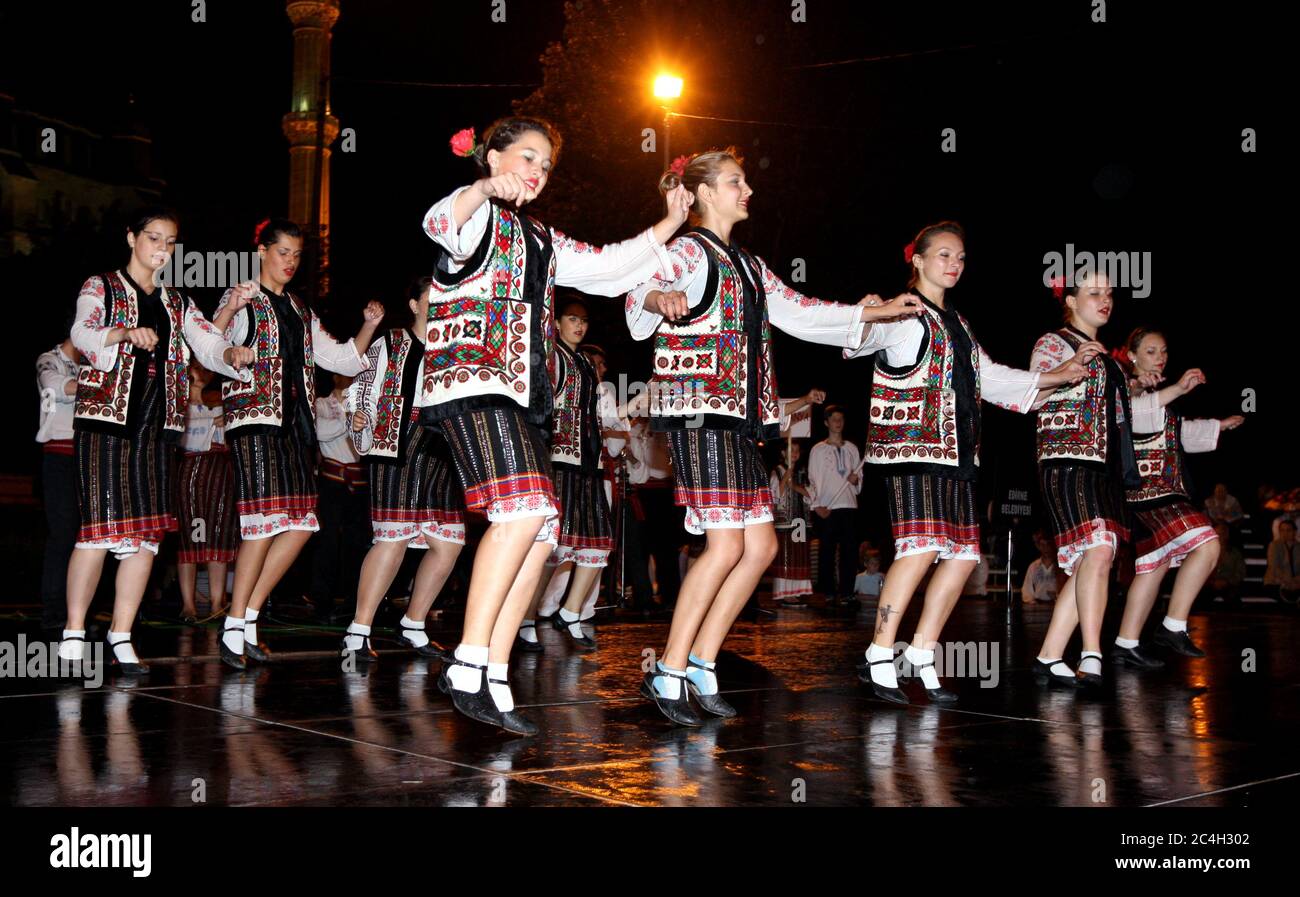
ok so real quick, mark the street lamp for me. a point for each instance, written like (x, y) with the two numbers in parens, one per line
(667, 88)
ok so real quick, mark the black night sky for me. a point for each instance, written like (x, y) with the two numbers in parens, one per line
(1068, 131)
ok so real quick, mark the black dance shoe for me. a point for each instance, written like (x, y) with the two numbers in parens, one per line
(523, 644)
(256, 651)
(1135, 658)
(479, 705)
(1178, 642)
(130, 669)
(428, 649)
(229, 657)
(680, 710)
(713, 703)
(585, 642)
(893, 695)
(1043, 673)
(510, 720)
(938, 695)
(363, 656)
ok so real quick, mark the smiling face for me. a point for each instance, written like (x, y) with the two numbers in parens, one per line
(1093, 303)
(727, 199)
(154, 244)
(280, 260)
(572, 325)
(529, 157)
(1151, 354)
(942, 263)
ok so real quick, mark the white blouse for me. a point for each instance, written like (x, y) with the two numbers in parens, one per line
(333, 426)
(201, 428)
(1051, 351)
(340, 357)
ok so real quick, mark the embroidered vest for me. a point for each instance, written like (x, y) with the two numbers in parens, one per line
(491, 335)
(1073, 424)
(576, 437)
(913, 411)
(260, 402)
(1160, 463)
(106, 400)
(396, 396)
(709, 364)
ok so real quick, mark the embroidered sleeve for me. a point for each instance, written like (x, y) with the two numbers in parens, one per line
(609, 270)
(440, 226)
(363, 396)
(237, 329)
(813, 320)
(687, 271)
(90, 328)
(341, 358)
(1007, 387)
(1199, 435)
(52, 379)
(209, 346)
(1049, 352)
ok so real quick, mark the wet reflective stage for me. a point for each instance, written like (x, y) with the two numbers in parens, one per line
(1217, 731)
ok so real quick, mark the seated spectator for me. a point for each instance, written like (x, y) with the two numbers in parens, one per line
(1225, 582)
(1222, 507)
(1043, 577)
(870, 581)
(1282, 576)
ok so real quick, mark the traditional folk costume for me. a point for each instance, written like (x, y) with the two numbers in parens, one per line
(205, 492)
(54, 371)
(489, 360)
(271, 418)
(714, 393)
(586, 537)
(791, 569)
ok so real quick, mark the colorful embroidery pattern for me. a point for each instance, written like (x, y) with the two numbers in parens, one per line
(389, 403)
(1072, 424)
(1159, 463)
(261, 399)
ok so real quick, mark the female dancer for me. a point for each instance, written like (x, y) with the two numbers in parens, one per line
(205, 498)
(489, 346)
(714, 367)
(791, 577)
(924, 431)
(586, 537)
(1173, 532)
(415, 499)
(130, 407)
(1085, 461)
(270, 425)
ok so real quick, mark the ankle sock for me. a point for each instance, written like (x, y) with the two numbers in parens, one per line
(882, 674)
(702, 676)
(465, 678)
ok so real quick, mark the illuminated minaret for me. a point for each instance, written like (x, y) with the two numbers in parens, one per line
(312, 21)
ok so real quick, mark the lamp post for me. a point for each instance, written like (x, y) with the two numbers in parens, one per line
(667, 88)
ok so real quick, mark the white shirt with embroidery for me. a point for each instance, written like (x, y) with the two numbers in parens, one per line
(829, 467)
(331, 354)
(201, 428)
(333, 429)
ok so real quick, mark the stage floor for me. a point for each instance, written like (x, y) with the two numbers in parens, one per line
(1218, 731)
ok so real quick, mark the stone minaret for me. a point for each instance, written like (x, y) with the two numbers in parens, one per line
(312, 21)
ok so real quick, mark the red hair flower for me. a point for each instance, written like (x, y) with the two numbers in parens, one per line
(1120, 354)
(908, 251)
(257, 231)
(1058, 286)
(462, 142)
(679, 166)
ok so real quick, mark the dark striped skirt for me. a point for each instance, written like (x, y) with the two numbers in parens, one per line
(420, 499)
(929, 512)
(205, 508)
(791, 570)
(504, 467)
(586, 536)
(275, 482)
(721, 480)
(1168, 534)
(123, 485)
(1087, 509)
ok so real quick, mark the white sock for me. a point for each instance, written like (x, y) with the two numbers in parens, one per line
(1175, 625)
(120, 642)
(500, 691)
(574, 621)
(356, 637)
(528, 631)
(669, 687)
(72, 650)
(1090, 662)
(465, 678)
(1126, 642)
(233, 634)
(1057, 667)
(702, 676)
(250, 626)
(917, 658)
(882, 673)
(413, 632)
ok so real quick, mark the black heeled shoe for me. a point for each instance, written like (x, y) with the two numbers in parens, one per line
(363, 656)
(1044, 675)
(1178, 642)
(228, 656)
(1090, 681)
(256, 651)
(680, 710)
(893, 695)
(585, 642)
(428, 649)
(510, 720)
(130, 669)
(938, 695)
(1134, 658)
(479, 705)
(713, 703)
(523, 644)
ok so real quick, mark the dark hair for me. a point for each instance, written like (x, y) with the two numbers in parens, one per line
(151, 213)
(562, 308)
(270, 231)
(506, 132)
(593, 349)
(921, 244)
(831, 409)
(702, 168)
(415, 289)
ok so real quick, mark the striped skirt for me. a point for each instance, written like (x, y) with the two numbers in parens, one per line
(929, 512)
(721, 480)
(205, 508)
(1087, 510)
(791, 570)
(504, 467)
(123, 484)
(586, 536)
(420, 499)
(1168, 534)
(275, 482)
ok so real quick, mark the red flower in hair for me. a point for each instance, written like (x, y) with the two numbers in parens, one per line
(679, 166)
(257, 231)
(908, 251)
(1120, 354)
(462, 142)
(1058, 286)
